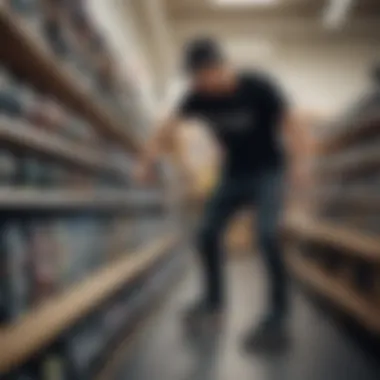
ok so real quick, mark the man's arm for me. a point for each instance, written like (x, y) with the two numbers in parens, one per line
(161, 142)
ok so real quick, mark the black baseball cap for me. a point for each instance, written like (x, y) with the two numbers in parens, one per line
(202, 53)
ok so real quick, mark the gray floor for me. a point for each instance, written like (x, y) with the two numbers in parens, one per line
(318, 352)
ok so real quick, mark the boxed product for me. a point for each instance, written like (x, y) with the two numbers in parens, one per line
(16, 284)
(82, 242)
(84, 344)
(8, 167)
(44, 256)
(30, 12)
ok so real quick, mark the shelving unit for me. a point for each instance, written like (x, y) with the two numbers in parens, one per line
(25, 138)
(352, 242)
(338, 291)
(346, 133)
(335, 251)
(356, 202)
(23, 56)
(60, 201)
(82, 248)
(42, 326)
(350, 164)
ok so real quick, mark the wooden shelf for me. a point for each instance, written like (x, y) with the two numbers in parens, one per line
(115, 354)
(43, 326)
(348, 132)
(20, 136)
(29, 200)
(351, 163)
(352, 202)
(346, 239)
(337, 291)
(24, 57)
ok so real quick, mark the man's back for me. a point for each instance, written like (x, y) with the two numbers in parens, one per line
(243, 119)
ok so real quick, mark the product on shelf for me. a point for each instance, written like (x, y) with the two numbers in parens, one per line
(54, 367)
(15, 99)
(84, 246)
(30, 12)
(15, 257)
(45, 253)
(53, 26)
(10, 104)
(8, 167)
(79, 130)
(84, 345)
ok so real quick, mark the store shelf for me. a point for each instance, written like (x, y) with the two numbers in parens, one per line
(350, 163)
(23, 56)
(337, 291)
(44, 325)
(350, 241)
(352, 202)
(114, 354)
(349, 132)
(60, 201)
(26, 138)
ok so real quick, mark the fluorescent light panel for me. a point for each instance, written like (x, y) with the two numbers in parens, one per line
(239, 3)
(336, 13)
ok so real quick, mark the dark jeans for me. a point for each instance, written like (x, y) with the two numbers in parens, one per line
(263, 189)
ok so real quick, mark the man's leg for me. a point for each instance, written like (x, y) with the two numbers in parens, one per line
(269, 207)
(225, 201)
(269, 196)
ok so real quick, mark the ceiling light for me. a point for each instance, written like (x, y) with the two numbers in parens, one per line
(336, 13)
(232, 3)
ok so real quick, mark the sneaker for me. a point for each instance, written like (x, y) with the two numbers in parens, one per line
(269, 336)
(200, 317)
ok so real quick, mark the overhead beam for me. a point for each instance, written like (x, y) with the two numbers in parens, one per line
(336, 13)
(292, 29)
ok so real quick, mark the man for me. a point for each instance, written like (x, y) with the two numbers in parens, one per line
(245, 113)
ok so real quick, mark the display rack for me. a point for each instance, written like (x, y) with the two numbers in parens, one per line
(83, 248)
(353, 242)
(26, 58)
(347, 132)
(42, 326)
(336, 250)
(18, 136)
(351, 164)
(339, 292)
(61, 201)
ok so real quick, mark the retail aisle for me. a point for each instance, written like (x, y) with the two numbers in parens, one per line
(318, 351)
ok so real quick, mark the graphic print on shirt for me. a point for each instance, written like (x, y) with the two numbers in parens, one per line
(230, 121)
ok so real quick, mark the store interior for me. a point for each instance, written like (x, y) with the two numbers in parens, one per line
(97, 268)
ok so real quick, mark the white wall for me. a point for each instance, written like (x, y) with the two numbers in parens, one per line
(118, 26)
(320, 71)
(322, 78)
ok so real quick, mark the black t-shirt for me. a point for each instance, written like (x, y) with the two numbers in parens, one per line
(244, 122)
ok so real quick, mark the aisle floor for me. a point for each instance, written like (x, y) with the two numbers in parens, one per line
(319, 350)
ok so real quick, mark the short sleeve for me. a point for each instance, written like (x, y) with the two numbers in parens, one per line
(274, 99)
(186, 107)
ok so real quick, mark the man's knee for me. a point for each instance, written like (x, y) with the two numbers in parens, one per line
(269, 241)
(271, 249)
(208, 238)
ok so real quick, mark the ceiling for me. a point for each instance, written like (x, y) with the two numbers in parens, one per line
(284, 8)
(291, 40)
(293, 19)
(181, 8)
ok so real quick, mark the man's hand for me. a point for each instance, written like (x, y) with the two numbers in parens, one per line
(144, 173)
(146, 170)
